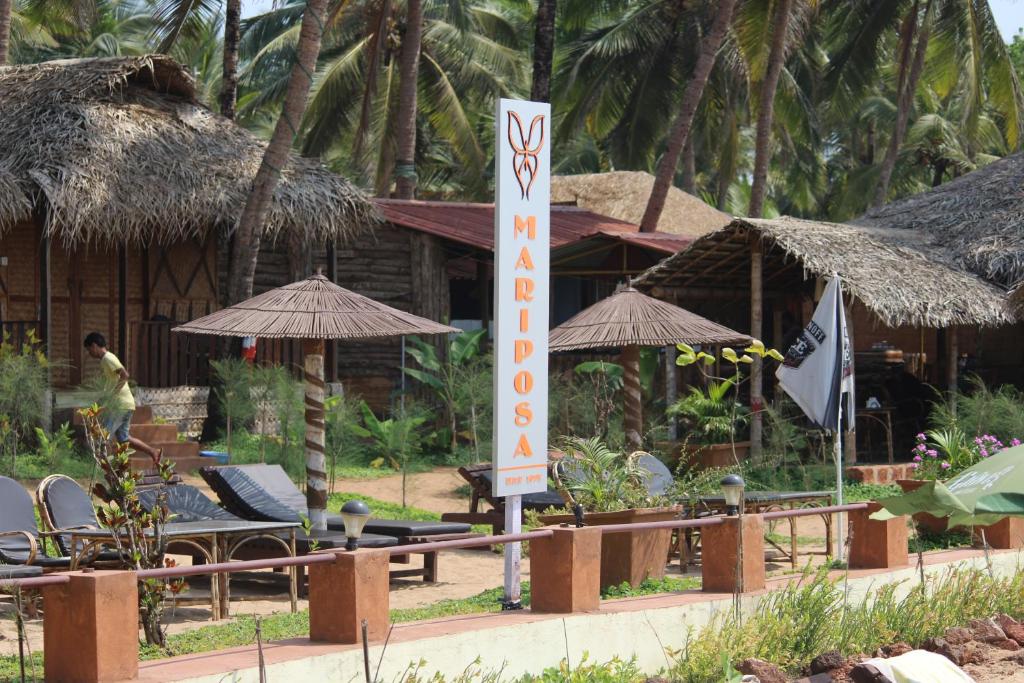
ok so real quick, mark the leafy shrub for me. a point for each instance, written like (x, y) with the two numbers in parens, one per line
(602, 480)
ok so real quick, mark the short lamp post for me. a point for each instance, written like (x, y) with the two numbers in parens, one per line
(355, 514)
(732, 487)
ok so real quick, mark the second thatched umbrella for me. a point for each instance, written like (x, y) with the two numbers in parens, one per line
(628, 320)
(313, 310)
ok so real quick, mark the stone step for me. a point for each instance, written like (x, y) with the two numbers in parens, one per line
(151, 433)
(184, 455)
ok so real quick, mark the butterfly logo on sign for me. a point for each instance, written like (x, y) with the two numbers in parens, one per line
(526, 160)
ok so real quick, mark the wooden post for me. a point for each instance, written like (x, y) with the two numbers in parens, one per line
(316, 464)
(952, 365)
(633, 418)
(331, 348)
(756, 314)
(122, 302)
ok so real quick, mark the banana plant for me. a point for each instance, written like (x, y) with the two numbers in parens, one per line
(442, 375)
(395, 438)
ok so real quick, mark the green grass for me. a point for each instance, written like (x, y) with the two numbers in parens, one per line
(358, 473)
(382, 509)
(793, 625)
(924, 541)
(858, 493)
(783, 539)
(33, 467)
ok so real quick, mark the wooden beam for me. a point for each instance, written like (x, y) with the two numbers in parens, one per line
(756, 313)
(952, 365)
(122, 302)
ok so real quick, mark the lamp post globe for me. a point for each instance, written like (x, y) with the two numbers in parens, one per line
(732, 487)
(355, 514)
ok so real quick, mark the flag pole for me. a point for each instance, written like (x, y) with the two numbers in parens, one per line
(838, 455)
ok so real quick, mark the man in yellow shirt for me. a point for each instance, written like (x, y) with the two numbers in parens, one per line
(119, 420)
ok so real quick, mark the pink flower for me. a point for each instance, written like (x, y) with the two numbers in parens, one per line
(917, 458)
(984, 453)
(945, 465)
(913, 465)
(1015, 442)
(921, 447)
(921, 436)
(932, 453)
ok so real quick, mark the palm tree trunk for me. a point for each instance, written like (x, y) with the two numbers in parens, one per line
(689, 180)
(246, 245)
(543, 50)
(229, 81)
(408, 69)
(766, 107)
(684, 120)
(910, 73)
(5, 29)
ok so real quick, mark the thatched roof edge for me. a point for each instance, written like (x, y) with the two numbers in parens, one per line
(122, 151)
(14, 204)
(897, 274)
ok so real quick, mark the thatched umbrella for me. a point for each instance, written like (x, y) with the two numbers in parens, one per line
(313, 310)
(629, 320)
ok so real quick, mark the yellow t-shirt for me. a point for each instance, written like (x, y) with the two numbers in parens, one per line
(111, 367)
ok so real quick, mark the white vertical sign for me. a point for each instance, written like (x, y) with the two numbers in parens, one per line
(522, 246)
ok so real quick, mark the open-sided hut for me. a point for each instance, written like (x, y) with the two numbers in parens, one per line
(116, 185)
(906, 289)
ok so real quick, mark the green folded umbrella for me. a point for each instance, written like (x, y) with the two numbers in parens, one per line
(980, 495)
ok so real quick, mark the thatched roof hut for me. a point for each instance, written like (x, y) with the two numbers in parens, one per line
(624, 194)
(901, 275)
(976, 219)
(122, 151)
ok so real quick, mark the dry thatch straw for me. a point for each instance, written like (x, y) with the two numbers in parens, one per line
(14, 205)
(624, 194)
(976, 219)
(629, 318)
(314, 308)
(123, 152)
(903, 276)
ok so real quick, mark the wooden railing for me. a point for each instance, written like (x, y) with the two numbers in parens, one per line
(162, 358)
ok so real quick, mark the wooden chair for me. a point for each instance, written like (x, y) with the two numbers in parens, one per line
(479, 479)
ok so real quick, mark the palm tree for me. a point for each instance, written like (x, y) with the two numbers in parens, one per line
(245, 248)
(178, 18)
(954, 44)
(6, 8)
(468, 54)
(684, 120)
(232, 35)
(543, 50)
(408, 73)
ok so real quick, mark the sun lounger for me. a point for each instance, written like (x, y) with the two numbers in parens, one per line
(20, 537)
(479, 479)
(265, 492)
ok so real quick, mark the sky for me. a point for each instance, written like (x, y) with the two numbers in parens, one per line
(1009, 13)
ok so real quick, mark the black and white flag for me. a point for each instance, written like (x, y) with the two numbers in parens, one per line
(817, 371)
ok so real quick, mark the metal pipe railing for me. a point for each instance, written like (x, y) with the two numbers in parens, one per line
(35, 581)
(468, 542)
(666, 524)
(327, 556)
(806, 512)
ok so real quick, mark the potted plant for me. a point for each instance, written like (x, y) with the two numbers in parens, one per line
(713, 416)
(612, 489)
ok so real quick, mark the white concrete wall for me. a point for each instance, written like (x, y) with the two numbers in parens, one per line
(532, 647)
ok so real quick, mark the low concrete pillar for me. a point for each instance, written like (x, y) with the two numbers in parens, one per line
(723, 570)
(565, 571)
(1006, 534)
(91, 628)
(344, 592)
(877, 544)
